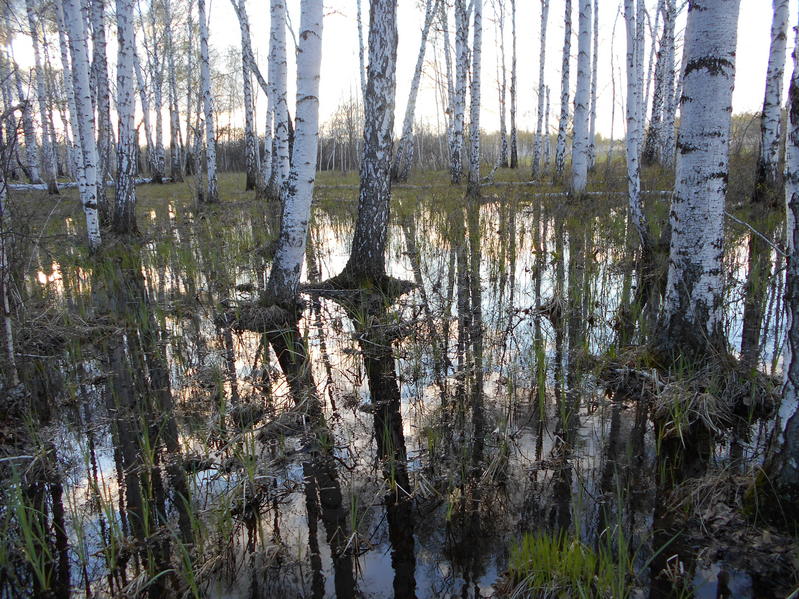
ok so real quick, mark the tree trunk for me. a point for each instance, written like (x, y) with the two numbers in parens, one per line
(250, 142)
(175, 145)
(284, 278)
(503, 87)
(367, 262)
(75, 150)
(514, 150)
(768, 181)
(691, 323)
(76, 29)
(669, 98)
(474, 108)
(48, 137)
(212, 195)
(539, 129)
(560, 150)
(594, 68)
(459, 104)
(103, 105)
(581, 101)
(783, 467)
(280, 159)
(145, 109)
(403, 156)
(124, 221)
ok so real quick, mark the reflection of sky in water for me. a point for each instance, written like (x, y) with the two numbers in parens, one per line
(184, 282)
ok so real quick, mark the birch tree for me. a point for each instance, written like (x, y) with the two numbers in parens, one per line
(367, 261)
(175, 145)
(76, 30)
(581, 101)
(284, 278)
(783, 465)
(250, 143)
(514, 150)
(459, 103)
(474, 109)
(102, 102)
(403, 156)
(635, 108)
(539, 129)
(560, 148)
(124, 218)
(280, 159)
(594, 69)
(66, 71)
(502, 83)
(691, 323)
(212, 194)
(667, 46)
(768, 172)
(50, 169)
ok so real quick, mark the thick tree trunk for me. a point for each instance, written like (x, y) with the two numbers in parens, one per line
(284, 278)
(783, 467)
(367, 262)
(212, 195)
(76, 29)
(539, 130)
(514, 149)
(581, 101)
(124, 219)
(768, 164)
(474, 108)
(691, 322)
(403, 156)
(563, 124)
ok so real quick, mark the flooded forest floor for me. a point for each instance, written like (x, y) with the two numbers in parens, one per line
(500, 430)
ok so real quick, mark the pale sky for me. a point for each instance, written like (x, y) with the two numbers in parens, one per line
(340, 56)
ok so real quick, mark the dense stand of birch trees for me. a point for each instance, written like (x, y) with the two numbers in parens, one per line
(163, 49)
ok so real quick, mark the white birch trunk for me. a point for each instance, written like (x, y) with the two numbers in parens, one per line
(50, 169)
(403, 156)
(156, 68)
(31, 148)
(459, 104)
(5, 282)
(634, 122)
(669, 99)
(450, 111)
(514, 149)
(175, 145)
(361, 60)
(367, 261)
(594, 69)
(124, 219)
(474, 109)
(144, 98)
(560, 149)
(103, 103)
(581, 100)
(250, 143)
(212, 193)
(280, 167)
(692, 314)
(75, 150)
(786, 460)
(76, 30)
(547, 144)
(539, 129)
(285, 275)
(769, 157)
(503, 87)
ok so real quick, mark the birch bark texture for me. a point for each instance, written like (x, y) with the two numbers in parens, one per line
(212, 194)
(691, 322)
(284, 278)
(582, 100)
(474, 98)
(539, 129)
(367, 261)
(560, 148)
(124, 216)
(250, 143)
(514, 150)
(459, 103)
(784, 465)
(277, 83)
(669, 99)
(403, 156)
(103, 104)
(76, 30)
(768, 171)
